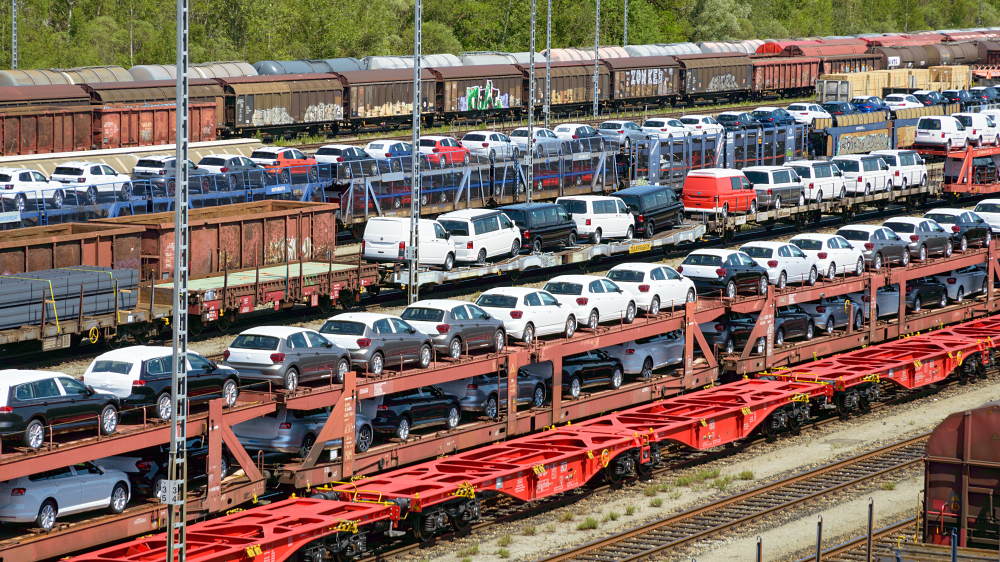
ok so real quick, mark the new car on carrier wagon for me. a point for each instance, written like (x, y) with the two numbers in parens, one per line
(402, 412)
(40, 498)
(653, 285)
(723, 271)
(285, 357)
(379, 341)
(456, 327)
(528, 313)
(595, 298)
(879, 245)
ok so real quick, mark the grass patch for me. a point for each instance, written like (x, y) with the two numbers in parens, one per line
(467, 559)
(566, 516)
(505, 540)
(656, 502)
(529, 531)
(587, 524)
(685, 481)
(723, 483)
(745, 475)
(888, 485)
(651, 491)
(611, 516)
(471, 551)
(665, 487)
(503, 553)
(550, 528)
(706, 474)
(630, 509)
(676, 494)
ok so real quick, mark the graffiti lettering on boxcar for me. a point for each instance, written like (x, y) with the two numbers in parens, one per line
(863, 142)
(478, 98)
(385, 110)
(273, 116)
(323, 112)
(722, 83)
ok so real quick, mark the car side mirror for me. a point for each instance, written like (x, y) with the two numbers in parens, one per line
(798, 180)
(90, 390)
(328, 345)
(751, 185)
(447, 236)
(412, 330)
(619, 291)
(101, 469)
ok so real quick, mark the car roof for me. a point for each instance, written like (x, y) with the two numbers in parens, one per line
(434, 137)
(575, 278)
(511, 291)
(951, 211)
(11, 377)
(993, 201)
(921, 92)
(805, 163)
(711, 252)
(570, 125)
(364, 317)
(771, 245)
(813, 236)
(861, 227)
(536, 129)
(136, 353)
(616, 121)
(276, 331)
(849, 157)
(588, 197)
(714, 173)
(640, 190)
(526, 206)
(732, 113)
(274, 149)
(637, 266)
(438, 303)
(14, 170)
(467, 214)
(222, 156)
(766, 108)
(340, 146)
(764, 168)
(694, 116)
(483, 133)
(905, 220)
(77, 163)
(159, 157)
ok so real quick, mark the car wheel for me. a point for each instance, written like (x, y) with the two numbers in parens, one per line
(906, 258)
(616, 378)
(859, 270)
(491, 409)
(730, 345)
(858, 321)
(985, 288)
(877, 262)
(593, 320)
(307, 444)
(159, 488)
(425, 356)
(109, 419)
(832, 272)
(57, 200)
(654, 307)
(988, 239)
(949, 248)
(923, 181)
(819, 197)
(313, 175)
(449, 262)
(571, 241)
(515, 249)
(285, 177)
(21, 203)
(961, 295)
(574, 387)
(691, 296)
(536, 246)
(34, 434)
(782, 280)
(725, 210)
(538, 398)
(529, 334)
(570, 327)
(802, 199)
(944, 300)
(810, 331)
(777, 203)
(126, 192)
(403, 428)
(164, 406)
(46, 519)
(119, 498)
(964, 244)
(231, 391)
(455, 348)
(595, 238)
(813, 275)
(761, 345)
(92, 195)
(493, 156)
(364, 440)
(916, 304)
(223, 467)
(397, 166)
(829, 325)
(481, 258)
(498, 341)
(377, 364)
(868, 189)
(843, 193)
(629, 233)
(291, 381)
(630, 312)
(650, 229)
(779, 337)
(923, 253)
(762, 286)
(731, 289)
(454, 416)
(753, 207)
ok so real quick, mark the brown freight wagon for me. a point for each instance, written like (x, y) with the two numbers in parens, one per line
(784, 76)
(289, 103)
(837, 59)
(44, 119)
(491, 89)
(715, 76)
(901, 56)
(68, 245)
(257, 234)
(989, 52)
(571, 85)
(131, 126)
(158, 92)
(638, 81)
(385, 96)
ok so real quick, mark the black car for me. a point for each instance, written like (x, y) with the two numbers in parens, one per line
(984, 94)
(723, 271)
(772, 117)
(925, 290)
(737, 121)
(966, 227)
(419, 407)
(147, 468)
(587, 369)
(962, 97)
(32, 400)
(835, 108)
(730, 332)
(930, 97)
(984, 170)
(791, 322)
(655, 207)
(542, 225)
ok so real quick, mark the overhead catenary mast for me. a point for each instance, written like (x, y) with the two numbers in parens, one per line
(413, 249)
(532, 88)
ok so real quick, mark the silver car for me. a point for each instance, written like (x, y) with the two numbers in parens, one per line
(66, 490)
(287, 356)
(482, 393)
(645, 355)
(295, 432)
(456, 327)
(925, 236)
(625, 133)
(886, 301)
(833, 312)
(379, 341)
(776, 186)
(965, 281)
(545, 141)
(879, 245)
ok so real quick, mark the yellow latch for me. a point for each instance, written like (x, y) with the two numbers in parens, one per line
(746, 411)
(347, 526)
(465, 490)
(918, 364)
(590, 454)
(871, 378)
(800, 398)
(539, 470)
(253, 551)
(704, 423)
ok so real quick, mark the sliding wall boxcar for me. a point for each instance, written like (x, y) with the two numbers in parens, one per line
(282, 103)
(163, 92)
(44, 119)
(490, 89)
(377, 96)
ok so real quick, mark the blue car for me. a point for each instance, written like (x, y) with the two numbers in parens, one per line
(870, 104)
(772, 117)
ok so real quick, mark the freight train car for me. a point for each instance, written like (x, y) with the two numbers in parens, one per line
(784, 76)
(837, 59)
(478, 91)
(282, 104)
(641, 81)
(571, 85)
(44, 119)
(713, 77)
(384, 96)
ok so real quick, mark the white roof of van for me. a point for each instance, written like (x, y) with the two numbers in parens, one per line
(715, 173)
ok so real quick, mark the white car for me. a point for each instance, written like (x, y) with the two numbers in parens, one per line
(941, 131)
(545, 141)
(491, 144)
(528, 313)
(597, 299)
(397, 154)
(902, 101)
(654, 285)
(833, 254)
(575, 131)
(864, 174)
(989, 211)
(979, 129)
(906, 167)
(385, 240)
(89, 179)
(479, 234)
(665, 127)
(702, 125)
(42, 497)
(821, 180)
(29, 190)
(806, 113)
(337, 153)
(645, 355)
(599, 217)
(785, 263)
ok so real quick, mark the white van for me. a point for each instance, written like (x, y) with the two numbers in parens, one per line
(386, 239)
(599, 217)
(979, 128)
(864, 174)
(478, 234)
(821, 180)
(943, 131)
(906, 167)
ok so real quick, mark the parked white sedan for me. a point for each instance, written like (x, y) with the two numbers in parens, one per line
(595, 298)
(702, 125)
(806, 113)
(902, 101)
(42, 497)
(665, 128)
(645, 355)
(491, 144)
(785, 263)
(528, 313)
(833, 254)
(653, 285)
(989, 211)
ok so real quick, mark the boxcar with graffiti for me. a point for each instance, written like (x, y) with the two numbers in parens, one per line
(572, 85)
(282, 104)
(638, 81)
(715, 76)
(466, 91)
(385, 96)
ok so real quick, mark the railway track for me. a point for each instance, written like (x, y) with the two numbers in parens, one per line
(727, 514)
(884, 541)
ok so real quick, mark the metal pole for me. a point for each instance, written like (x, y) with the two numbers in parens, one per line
(871, 521)
(548, 67)
(819, 538)
(625, 32)
(530, 156)
(597, 57)
(13, 48)
(177, 465)
(760, 549)
(412, 288)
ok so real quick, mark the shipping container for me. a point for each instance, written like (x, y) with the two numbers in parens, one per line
(131, 126)
(69, 245)
(642, 80)
(719, 76)
(479, 90)
(42, 130)
(245, 235)
(571, 84)
(272, 67)
(282, 103)
(791, 77)
(386, 96)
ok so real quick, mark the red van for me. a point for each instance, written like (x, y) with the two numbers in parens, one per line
(718, 190)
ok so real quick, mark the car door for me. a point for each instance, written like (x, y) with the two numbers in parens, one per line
(410, 338)
(460, 320)
(496, 242)
(300, 355)
(392, 345)
(83, 406)
(554, 313)
(204, 378)
(509, 233)
(438, 401)
(59, 408)
(326, 355)
(95, 490)
(935, 240)
(803, 265)
(62, 483)
(617, 298)
(479, 327)
(565, 224)
(894, 246)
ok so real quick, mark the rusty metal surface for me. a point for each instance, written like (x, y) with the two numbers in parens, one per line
(69, 245)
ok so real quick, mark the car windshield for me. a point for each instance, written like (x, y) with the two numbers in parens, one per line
(942, 218)
(574, 205)
(987, 208)
(929, 125)
(847, 165)
(515, 215)
(343, 328)
(757, 252)
(420, 314)
(898, 227)
(263, 155)
(560, 288)
(519, 133)
(806, 244)
(626, 276)
(497, 301)
(328, 152)
(149, 164)
(631, 201)
(255, 341)
(64, 171)
(757, 177)
(106, 366)
(458, 228)
(702, 259)
(858, 235)
(212, 162)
